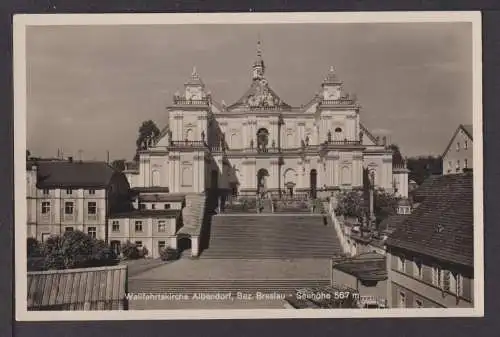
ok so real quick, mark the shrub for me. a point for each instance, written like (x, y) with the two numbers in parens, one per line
(169, 254)
(34, 248)
(130, 251)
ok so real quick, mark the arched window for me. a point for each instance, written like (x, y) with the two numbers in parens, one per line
(290, 140)
(156, 178)
(234, 143)
(187, 176)
(346, 175)
(338, 130)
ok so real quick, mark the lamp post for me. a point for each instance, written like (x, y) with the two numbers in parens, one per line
(372, 188)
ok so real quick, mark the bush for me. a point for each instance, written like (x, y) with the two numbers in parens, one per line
(169, 254)
(34, 248)
(130, 251)
(76, 249)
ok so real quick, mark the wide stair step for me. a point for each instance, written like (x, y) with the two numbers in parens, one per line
(258, 236)
(284, 286)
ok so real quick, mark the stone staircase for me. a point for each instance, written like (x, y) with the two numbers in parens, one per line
(189, 287)
(266, 236)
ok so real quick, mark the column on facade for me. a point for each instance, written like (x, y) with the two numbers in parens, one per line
(178, 176)
(170, 173)
(320, 173)
(201, 172)
(244, 135)
(274, 184)
(336, 171)
(195, 173)
(275, 133)
(329, 172)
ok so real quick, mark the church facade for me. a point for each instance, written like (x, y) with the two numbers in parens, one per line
(262, 144)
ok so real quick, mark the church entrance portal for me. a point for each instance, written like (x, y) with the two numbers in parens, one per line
(262, 176)
(313, 183)
(289, 188)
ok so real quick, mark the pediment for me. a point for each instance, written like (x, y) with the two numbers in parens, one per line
(259, 95)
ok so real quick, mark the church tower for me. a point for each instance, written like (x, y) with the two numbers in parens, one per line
(332, 86)
(194, 87)
(258, 67)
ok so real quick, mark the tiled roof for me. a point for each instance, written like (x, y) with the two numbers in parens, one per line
(365, 267)
(442, 225)
(147, 213)
(66, 174)
(161, 197)
(392, 222)
(101, 288)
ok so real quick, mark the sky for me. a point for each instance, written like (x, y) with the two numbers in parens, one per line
(90, 87)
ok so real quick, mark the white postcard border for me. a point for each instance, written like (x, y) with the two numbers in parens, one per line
(21, 21)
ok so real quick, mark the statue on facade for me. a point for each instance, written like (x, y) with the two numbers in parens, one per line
(302, 144)
(377, 140)
(384, 140)
(307, 140)
(360, 136)
(203, 136)
(273, 144)
(251, 144)
(329, 136)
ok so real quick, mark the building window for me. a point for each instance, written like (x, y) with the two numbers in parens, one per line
(161, 245)
(153, 206)
(142, 206)
(92, 231)
(419, 303)
(459, 284)
(68, 229)
(458, 165)
(338, 130)
(162, 227)
(466, 144)
(138, 226)
(450, 166)
(45, 207)
(45, 191)
(466, 164)
(92, 207)
(167, 206)
(69, 191)
(446, 280)
(115, 226)
(418, 268)
(436, 276)
(138, 244)
(402, 264)
(92, 192)
(458, 146)
(68, 207)
(402, 299)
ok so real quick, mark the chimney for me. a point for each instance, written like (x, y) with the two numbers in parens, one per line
(70, 159)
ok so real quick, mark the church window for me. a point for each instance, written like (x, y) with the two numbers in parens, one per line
(346, 175)
(466, 144)
(156, 178)
(338, 130)
(458, 165)
(187, 176)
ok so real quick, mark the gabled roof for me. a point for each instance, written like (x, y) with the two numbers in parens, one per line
(442, 226)
(466, 128)
(66, 174)
(260, 94)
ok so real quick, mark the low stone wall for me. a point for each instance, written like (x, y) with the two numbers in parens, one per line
(339, 228)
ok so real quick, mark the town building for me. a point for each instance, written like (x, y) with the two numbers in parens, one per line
(261, 143)
(65, 195)
(458, 155)
(430, 256)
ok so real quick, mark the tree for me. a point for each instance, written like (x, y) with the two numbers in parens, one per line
(34, 248)
(423, 167)
(75, 249)
(118, 164)
(384, 205)
(148, 130)
(351, 204)
(397, 158)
